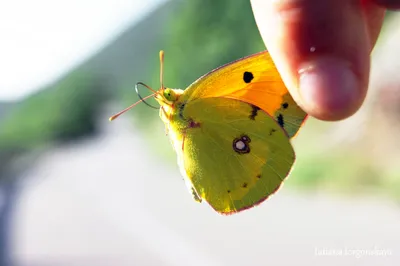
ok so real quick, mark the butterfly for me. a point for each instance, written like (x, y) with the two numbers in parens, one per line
(231, 130)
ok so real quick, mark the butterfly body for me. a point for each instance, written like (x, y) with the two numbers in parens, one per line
(231, 131)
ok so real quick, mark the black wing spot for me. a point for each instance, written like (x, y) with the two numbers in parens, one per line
(254, 111)
(248, 77)
(285, 105)
(244, 185)
(258, 176)
(228, 191)
(280, 120)
(272, 131)
(241, 144)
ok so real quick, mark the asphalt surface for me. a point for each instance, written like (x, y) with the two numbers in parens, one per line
(110, 201)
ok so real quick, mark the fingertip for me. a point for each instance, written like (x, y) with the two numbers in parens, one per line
(329, 89)
(321, 49)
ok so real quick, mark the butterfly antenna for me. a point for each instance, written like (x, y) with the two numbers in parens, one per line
(130, 107)
(162, 69)
(141, 98)
(148, 87)
(149, 96)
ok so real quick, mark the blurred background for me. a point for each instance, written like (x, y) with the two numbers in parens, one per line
(78, 190)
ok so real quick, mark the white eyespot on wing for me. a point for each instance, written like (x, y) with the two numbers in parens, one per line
(240, 145)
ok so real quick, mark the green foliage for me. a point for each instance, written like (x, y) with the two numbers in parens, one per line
(352, 174)
(60, 113)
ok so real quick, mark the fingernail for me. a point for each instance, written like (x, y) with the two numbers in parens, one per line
(328, 87)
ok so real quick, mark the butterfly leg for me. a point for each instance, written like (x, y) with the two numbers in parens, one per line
(195, 196)
(192, 191)
(183, 139)
(162, 115)
(191, 124)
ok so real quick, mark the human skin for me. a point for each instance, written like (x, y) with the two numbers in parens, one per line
(322, 49)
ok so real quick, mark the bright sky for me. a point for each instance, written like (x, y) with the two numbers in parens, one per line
(42, 39)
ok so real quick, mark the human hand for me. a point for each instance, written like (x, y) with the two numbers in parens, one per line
(322, 49)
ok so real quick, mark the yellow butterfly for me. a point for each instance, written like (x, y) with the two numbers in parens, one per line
(231, 130)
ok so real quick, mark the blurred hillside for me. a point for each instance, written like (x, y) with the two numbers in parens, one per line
(4, 108)
(68, 109)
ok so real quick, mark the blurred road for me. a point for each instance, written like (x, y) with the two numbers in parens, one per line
(108, 201)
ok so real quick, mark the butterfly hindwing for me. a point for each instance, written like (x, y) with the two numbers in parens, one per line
(253, 79)
(234, 155)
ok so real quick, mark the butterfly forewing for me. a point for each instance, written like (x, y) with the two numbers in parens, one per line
(255, 80)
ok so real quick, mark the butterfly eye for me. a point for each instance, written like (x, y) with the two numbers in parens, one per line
(169, 95)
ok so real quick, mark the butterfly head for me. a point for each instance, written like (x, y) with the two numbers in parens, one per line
(166, 97)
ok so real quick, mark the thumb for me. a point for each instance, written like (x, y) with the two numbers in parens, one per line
(322, 50)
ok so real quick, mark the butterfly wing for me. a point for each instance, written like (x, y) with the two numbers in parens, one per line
(233, 155)
(253, 79)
